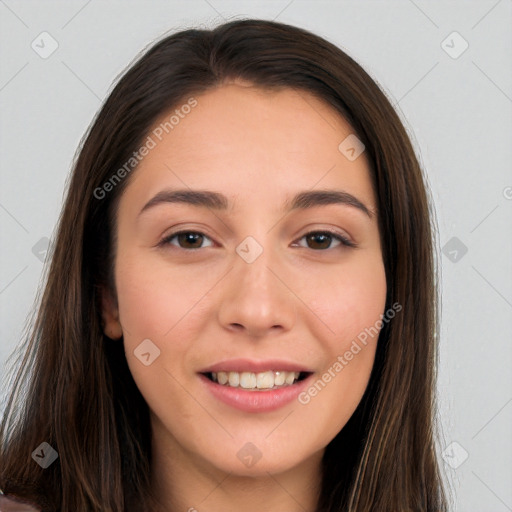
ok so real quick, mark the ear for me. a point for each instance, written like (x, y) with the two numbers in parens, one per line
(110, 314)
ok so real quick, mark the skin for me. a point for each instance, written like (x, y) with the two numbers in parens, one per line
(300, 300)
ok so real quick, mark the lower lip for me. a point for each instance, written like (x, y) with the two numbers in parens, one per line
(255, 401)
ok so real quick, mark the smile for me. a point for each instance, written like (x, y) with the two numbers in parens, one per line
(256, 381)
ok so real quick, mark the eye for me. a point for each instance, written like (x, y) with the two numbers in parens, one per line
(322, 238)
(186, 237)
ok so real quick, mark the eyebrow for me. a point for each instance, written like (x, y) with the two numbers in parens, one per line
(217, 201)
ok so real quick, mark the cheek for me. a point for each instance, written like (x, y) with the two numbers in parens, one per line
(350, 308)
(157, 302)
(348, 301)
(154, 297)
(164, 304)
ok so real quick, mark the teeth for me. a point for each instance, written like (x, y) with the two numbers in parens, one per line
(265, 380)
(247, 380)
(234, 379)
(250, 380)
(290, 378)
(279, 379)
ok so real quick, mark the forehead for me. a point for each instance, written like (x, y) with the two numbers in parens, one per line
(255, 145)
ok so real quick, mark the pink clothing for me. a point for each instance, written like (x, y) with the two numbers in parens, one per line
(11, 504)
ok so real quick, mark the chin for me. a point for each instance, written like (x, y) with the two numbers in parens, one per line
(257, 459)
(260, 468)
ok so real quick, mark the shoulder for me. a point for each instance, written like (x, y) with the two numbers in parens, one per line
(12, 504)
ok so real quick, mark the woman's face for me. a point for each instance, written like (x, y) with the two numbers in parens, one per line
(255, 287)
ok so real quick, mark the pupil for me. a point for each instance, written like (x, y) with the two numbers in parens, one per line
(321, 235)
(189, 237)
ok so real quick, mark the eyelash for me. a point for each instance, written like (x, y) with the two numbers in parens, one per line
(343, 240)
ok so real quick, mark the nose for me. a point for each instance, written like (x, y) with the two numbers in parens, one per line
(258, 298)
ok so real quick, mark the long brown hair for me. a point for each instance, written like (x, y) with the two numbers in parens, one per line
(74, 390)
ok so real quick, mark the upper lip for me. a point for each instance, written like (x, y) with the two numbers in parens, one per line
(255, 366)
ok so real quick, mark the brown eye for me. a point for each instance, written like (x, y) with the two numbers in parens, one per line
(317, 240)
(322, 240)
(186, 239)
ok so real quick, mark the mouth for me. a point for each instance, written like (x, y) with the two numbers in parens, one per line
(256, 386)
(257, 381)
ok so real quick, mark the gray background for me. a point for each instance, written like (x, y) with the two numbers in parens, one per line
(457, 109)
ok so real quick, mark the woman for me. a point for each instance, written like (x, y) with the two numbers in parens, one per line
(289, 363)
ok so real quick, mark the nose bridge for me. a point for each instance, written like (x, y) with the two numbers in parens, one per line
(256, 298)
(252, 267)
